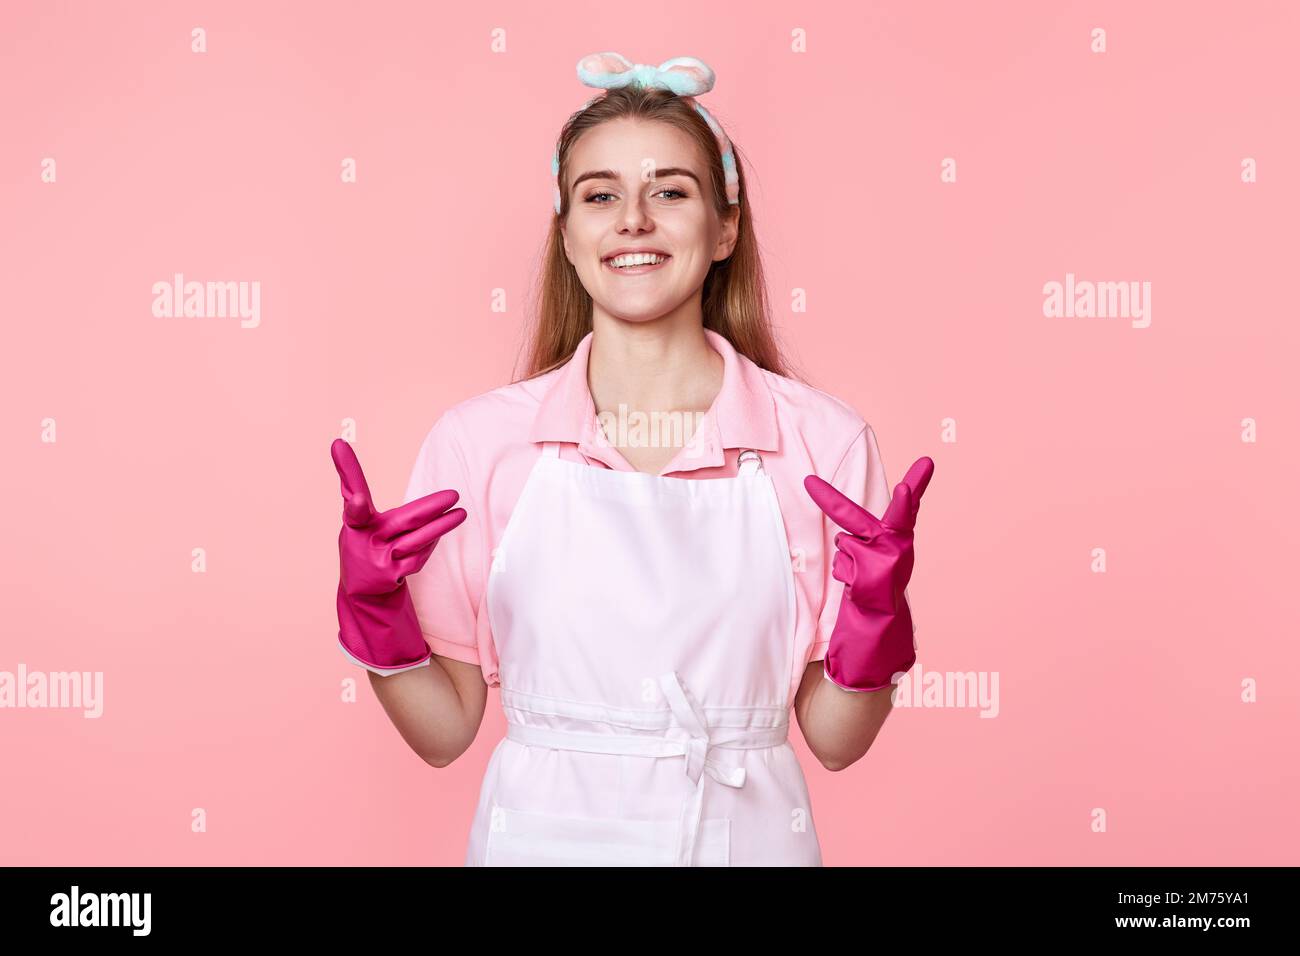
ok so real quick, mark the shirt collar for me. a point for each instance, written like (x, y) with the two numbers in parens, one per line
(743, 414)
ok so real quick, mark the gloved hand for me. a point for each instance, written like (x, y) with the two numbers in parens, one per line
(872, 639)
(378, 628)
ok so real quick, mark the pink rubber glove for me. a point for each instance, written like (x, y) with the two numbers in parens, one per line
(872, 640)
(378, 628)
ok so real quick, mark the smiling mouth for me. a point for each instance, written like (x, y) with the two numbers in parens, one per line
(635, 270)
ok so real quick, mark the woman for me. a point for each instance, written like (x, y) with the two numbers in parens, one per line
(650, 609)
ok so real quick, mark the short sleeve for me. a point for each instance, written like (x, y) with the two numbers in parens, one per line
(446, 592)
(860, 476)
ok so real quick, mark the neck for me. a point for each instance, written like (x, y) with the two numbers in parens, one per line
(663, 365)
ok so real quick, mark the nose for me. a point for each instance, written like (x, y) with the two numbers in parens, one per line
(635, 216)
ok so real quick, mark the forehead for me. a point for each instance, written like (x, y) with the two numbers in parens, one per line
(626, 142)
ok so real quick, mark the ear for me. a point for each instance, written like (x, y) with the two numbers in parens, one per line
(729, 235)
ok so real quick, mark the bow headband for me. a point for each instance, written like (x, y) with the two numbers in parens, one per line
(684, 75)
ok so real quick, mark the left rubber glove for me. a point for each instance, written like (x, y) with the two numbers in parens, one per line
(872, 640)
(378, 628)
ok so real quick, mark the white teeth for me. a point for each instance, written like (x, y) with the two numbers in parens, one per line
(636, 259)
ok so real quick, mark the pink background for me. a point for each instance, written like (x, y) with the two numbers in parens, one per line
(1119, 691)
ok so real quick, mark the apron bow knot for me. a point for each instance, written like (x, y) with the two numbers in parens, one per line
(690, 717)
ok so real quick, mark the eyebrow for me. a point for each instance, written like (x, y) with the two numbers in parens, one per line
(663, 173)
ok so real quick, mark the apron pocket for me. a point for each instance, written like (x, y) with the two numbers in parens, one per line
(534, 838)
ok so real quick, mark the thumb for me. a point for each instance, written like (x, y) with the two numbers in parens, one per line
(900, 515)
(358, 510)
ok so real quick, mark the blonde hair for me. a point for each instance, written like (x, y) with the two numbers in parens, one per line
(734, 298)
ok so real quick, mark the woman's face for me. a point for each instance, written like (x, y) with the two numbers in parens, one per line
(651, 191)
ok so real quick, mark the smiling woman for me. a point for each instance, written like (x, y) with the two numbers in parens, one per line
(652, 603)
(645, 141)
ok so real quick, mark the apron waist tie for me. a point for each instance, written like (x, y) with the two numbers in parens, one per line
(690, 737)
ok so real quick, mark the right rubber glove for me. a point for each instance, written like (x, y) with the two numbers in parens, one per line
(872, 640)
(378, 628)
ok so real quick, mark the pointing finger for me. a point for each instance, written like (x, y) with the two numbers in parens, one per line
(841, 509)
(412, 515)
(427, 535)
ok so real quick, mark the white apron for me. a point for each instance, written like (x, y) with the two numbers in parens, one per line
(645, 631)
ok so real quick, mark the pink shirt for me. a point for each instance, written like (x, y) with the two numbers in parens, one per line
(485, 446)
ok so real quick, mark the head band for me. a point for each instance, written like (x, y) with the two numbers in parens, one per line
(684, 75)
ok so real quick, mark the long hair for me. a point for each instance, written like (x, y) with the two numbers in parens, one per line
(734, 299)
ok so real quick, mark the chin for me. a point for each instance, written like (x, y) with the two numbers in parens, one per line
(626, 312)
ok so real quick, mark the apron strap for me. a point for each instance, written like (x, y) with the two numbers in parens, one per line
(551, 449)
